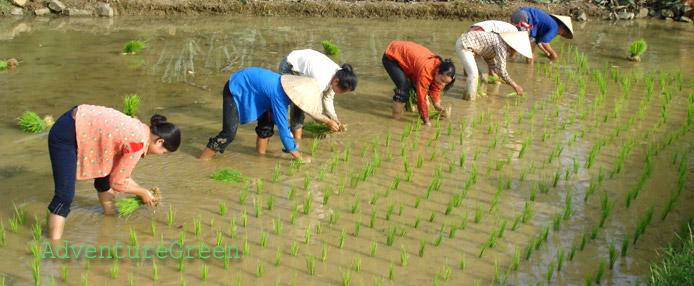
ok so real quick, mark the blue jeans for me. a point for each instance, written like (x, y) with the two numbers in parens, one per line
(62, 148)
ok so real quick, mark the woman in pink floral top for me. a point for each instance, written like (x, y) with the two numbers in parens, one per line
(100, 143)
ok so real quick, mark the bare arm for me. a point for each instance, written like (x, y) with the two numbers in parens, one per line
(547, 49)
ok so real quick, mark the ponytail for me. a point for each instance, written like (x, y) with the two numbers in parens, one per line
(165, 130)
(346, 79)
(448, 68)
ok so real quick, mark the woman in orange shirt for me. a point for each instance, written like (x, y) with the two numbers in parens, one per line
(408, 62)
(100, 143)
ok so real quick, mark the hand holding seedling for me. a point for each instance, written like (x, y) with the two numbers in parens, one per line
(333, 125)
(437, 106)
(519, 90)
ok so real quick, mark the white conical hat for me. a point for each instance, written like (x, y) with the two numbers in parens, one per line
(519, 41)
(304, 93)
(567, 22)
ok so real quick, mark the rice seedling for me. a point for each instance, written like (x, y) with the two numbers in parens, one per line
(342, 238)
(356, 263)
(307, 181)
(181, 236)
(3, 235)
(334, 217)
(307, 203)
(432, 217)
(311, 265)
(132, 47)
(550, 271)
(403, 256)
(613, 255)
(246, 246)
(478, 214)
(389, 210)
(229, 175)
(636, 49)
(31, 122)
(357, 225)
(330, 48)
(516, 222)
(594, 232)
(36, 270)
(584, 240)
(181, 263)
(263, 238)
(516, 258)
(674, 196)
(294, 248)
(372, 251)
(170, 216)
(355, 205)
(527, 212)
(63, 271)
(347, 276)
(483, 250)
(419, 220)
(391, 235)
(36, 230)
(607, 207)
(276, 175)
(601, 271)
(625, 246)
(232, 227)
(133, 237)
(84, 279)
(197, 225)
(153, 227)
(589, 279)
(155, 270)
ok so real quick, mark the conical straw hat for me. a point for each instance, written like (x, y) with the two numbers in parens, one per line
(519, 41)
(304, 93)
(567, 22)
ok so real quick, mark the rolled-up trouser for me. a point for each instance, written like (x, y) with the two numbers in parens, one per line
(230, 122)
(474, 66)
(402, 83)
(296, 115)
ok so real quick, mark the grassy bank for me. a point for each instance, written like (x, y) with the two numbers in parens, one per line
(349, 9)
(677, 262)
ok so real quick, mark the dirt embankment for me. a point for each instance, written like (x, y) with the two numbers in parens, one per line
(350, 9)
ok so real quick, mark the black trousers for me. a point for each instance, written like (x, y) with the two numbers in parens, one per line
(402, 83)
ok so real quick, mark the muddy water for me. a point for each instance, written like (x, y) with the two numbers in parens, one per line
(65, 62)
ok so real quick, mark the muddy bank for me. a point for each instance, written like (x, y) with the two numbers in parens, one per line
(349, 9)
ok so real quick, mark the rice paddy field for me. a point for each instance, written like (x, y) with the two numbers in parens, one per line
(578, 182)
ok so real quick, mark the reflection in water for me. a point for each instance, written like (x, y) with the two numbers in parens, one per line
(180, 74)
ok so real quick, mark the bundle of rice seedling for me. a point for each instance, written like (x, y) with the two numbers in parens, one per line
(133, 46)
(31, 122)
(637, 49)
(130, 104)
(320, 129)
(129, 205)
(3, 65)
(445, 113)
(544, 55)
(330, 48)
(493, 79)
(229, 175)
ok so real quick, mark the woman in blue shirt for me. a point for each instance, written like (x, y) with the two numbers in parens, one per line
(257, 94)
(543, 28)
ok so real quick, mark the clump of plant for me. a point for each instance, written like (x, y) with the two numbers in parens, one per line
(132, 47)
(32, 123)
(229, 175)
(636, 49)
(330, 48)
(130, 104)
(129, 205)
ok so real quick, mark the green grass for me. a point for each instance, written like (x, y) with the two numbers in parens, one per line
(330, 48)
(676, 265)
(230, 175)
(31, 122)
(130, 104)
(133, 46)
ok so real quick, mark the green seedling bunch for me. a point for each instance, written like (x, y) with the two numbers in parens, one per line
(637, 48)
(31, 122)
(132, 47)
(130, 104)
(330, 48)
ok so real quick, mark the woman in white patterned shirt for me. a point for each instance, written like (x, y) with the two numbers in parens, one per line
(494, 49)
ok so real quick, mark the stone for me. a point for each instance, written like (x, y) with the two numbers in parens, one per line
(42, 12)
(653, 13)
(104, 10)
(581, 17)
(666, 14)
(685, 11)
(16, 11)
(19, 3)
(72, 12)
(642, 13)
(56, 6)
(676, 9)
(624, 15)
(684, 19)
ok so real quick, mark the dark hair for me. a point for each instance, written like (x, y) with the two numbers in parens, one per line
(346, 79)
(165, 130)
(448, 68)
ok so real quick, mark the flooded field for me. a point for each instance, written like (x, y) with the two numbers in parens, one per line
(579, 181)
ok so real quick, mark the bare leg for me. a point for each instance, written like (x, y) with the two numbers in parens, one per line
(56, 224)
(297, 133)
(261, 144)
(207, 154)
(108, 201)
(398, 108)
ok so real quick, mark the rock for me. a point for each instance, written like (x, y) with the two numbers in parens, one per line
(42, 12)
(676, 9)
(56, 6)
(684, 19)
(653, 13)
(685, 11)
(72, 12)
(624, 15)
(642, 13)
(104, 10)
(19, 3)
(666, 14)
(16, 11)
(581, 17)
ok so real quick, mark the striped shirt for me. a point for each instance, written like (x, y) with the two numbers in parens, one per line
(491, 47)
(419, 64)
